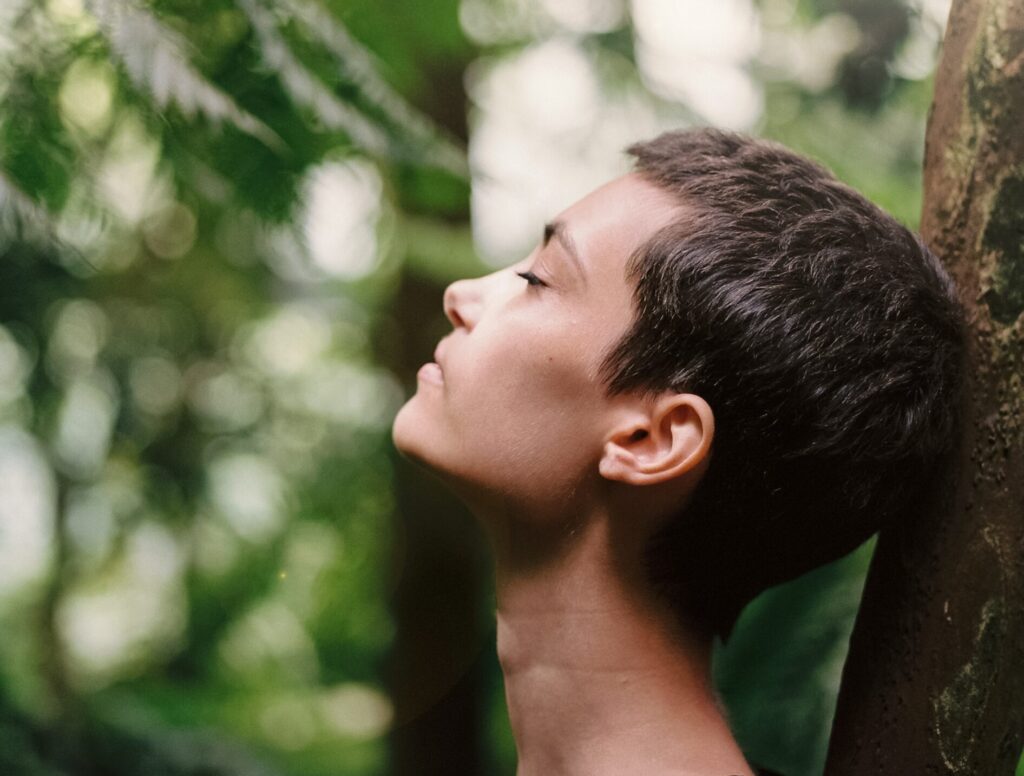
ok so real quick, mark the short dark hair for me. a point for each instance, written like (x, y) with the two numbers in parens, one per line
(828, 341)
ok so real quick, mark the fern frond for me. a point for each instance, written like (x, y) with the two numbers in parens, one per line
(156, 60)
(22, 219)
(359, 67)
(305, 89)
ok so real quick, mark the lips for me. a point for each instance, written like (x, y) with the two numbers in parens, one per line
(439, 355)
(431, 373)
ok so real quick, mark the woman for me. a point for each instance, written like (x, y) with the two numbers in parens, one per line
(713, 374)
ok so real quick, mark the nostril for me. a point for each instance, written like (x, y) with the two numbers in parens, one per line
(454, 317)
(450, 305)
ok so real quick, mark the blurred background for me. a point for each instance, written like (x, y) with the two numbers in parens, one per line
(225, 228)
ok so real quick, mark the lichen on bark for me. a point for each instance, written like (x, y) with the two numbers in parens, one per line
(1004, 237)
(959, 708)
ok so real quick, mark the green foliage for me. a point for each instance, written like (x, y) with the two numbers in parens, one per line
(789, 644)
(220, 498)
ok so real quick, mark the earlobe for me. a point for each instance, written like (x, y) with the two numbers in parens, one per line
(659, 440)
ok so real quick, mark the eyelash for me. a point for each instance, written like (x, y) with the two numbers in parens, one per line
(531, 279)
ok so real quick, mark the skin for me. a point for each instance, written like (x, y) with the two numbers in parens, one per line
(568, 484)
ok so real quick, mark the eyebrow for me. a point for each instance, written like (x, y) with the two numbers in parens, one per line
(558, 230)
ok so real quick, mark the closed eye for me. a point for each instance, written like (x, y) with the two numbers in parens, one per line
(531, 279)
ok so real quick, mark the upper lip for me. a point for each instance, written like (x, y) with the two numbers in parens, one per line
(439, 355)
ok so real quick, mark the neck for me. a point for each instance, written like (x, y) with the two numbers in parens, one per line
(598, 677)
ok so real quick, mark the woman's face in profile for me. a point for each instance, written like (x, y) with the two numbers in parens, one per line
(514, 409)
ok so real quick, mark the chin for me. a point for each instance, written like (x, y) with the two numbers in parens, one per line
(417, 441)
(413, 437)
(403, 430)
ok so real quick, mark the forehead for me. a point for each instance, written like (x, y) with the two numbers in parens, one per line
(615, 219)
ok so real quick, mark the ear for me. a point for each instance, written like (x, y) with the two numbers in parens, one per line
(658, 440)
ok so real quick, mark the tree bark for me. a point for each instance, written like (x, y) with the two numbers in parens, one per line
(438, 666)
(437, 661)
(933, 683)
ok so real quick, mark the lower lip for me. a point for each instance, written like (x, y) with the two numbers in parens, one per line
(431, 373)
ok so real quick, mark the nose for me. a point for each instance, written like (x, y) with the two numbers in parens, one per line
(461, 303)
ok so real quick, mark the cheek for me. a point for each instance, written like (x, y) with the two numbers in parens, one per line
(524, 402)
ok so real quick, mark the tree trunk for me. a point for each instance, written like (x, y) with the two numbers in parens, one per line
(439, 660)
(934, 681)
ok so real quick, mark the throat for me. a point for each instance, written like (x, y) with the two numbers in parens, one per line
(599, 679)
